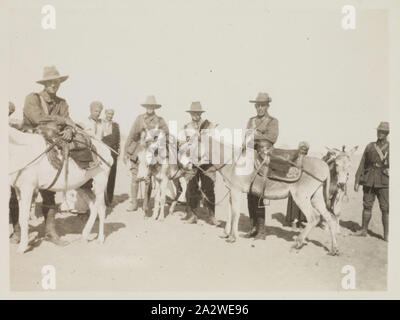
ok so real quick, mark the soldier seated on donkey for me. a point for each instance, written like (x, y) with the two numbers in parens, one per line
(48, 114)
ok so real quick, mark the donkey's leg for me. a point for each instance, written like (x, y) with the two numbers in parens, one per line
(228, 225)
(25, 200)
(100, 185)
(163, 194)
(90, 222)
(304, 203)
(156, 209)
(235, 212)
(319, 204)
(178, 187)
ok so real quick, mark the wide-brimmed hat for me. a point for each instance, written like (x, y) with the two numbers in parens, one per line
(383, 126)
(262, 97)
(51, 73)
(195, 107)
(151, 102)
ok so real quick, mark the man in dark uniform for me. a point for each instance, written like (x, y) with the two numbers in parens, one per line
(207, 180)
(145, 121)
(266, 130)
(112, 138)
(373, 175)
(47, 105)
(294, 216)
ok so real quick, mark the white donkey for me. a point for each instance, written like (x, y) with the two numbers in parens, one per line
(339, 162)
(160, 165)
(27, 176)
(309, 192)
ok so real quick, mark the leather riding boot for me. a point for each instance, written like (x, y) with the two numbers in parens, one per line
(253, 230)
(211, 217)
(366, 218)
(260, 229)
(134, 191)
(186, 216)
(16, 236)
(385, 223)
(51, 234)
(192, 217)
(146, 197)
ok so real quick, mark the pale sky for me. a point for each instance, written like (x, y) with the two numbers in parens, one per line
(329, 86)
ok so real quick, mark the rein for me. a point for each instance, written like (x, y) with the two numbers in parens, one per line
(95, 152)
(208, 171)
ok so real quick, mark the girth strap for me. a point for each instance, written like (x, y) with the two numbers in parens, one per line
(58, 172)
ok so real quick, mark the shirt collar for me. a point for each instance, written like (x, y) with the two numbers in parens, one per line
(149, 116)
(46, 97)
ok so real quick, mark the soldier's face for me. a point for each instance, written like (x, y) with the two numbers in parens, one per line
(95, 113)
(196, 116)
(149, 110)
(261, 109)
(382, 134)
(52, 86)
(109, 115)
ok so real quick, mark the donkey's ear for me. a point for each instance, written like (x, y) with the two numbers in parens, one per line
(351, 152)
(332, 150)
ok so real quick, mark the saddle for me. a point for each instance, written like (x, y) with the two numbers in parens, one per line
(281, 165)
(284, 165)
(278, 165)
(79, 149)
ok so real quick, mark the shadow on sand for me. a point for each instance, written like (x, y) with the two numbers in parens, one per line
(279, 232)
(354, 227)
(73, 225)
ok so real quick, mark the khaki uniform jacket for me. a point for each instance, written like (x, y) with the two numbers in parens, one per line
(265, 129)
(35, 110)
(373, 171)
(193, 130)
(142, 122)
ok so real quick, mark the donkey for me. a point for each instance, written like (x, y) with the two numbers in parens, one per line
(27, 177)
(309, 191)
(160, 165)
(339, 162)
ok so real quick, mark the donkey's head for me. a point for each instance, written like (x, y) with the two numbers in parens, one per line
(152, 150)
(340, 162)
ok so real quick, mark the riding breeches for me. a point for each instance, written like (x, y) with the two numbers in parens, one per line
(370, 193)
(255, 205)
(193, 193)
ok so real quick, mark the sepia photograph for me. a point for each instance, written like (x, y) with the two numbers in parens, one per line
(206, 146)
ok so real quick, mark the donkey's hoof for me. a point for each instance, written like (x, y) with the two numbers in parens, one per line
(22, 249)
(334, 252)
(298, 244)
(14, 239)
(100, 240)
(231, 239)
(223, 235)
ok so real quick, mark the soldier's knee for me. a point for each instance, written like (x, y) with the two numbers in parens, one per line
(384, 207)
(367, 206)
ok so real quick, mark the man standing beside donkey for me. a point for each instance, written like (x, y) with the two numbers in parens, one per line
(373, 175)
